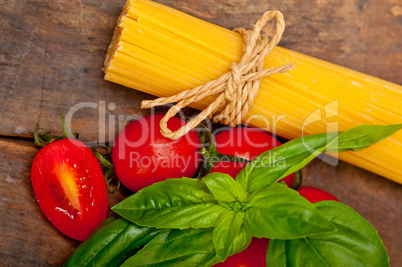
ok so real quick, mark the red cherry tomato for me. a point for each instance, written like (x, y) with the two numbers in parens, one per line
(70, 188)
(247, 143)
(142, 156)
(314, 195)
(253, 256)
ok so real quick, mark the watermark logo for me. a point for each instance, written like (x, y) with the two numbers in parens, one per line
(318, 118)
(111, 124)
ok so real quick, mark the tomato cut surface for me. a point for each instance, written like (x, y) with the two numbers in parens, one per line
(142, 156)
(69, 186)
(247, 143)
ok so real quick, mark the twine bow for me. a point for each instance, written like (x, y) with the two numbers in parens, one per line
(236, 88)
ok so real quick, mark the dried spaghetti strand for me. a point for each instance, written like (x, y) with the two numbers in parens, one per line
(236, 88)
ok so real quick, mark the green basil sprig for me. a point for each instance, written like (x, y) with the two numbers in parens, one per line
(356, 243)
(324, 234)
(275, 212)
(253, 204)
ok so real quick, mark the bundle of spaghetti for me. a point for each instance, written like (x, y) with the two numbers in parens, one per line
(162, 51)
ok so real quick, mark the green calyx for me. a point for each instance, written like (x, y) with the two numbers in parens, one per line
(210, 155)
(43, 139)
(103, 154)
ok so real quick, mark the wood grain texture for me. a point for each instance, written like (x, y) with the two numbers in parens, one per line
(52, 51)
(51, 57)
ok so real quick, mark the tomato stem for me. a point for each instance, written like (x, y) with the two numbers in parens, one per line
(297, 180)
(45, 138)
(210, 155)
(107, 166)
(64, 125)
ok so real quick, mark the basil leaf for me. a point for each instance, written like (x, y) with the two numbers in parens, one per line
(356, 243)
(175, 203)
(230, 235)
(190, 247)
(225, 188)
(272, 165)
(278, 212)
(211, 261)
(277, 163)
(362, 136)
(111, 244)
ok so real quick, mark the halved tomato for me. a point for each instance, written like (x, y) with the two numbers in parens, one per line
(70, 188)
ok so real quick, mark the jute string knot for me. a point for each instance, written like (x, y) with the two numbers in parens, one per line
(236, 88)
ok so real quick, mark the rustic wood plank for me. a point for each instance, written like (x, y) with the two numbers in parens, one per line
(52, 58)
(52, 52)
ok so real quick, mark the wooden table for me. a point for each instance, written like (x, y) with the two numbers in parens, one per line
(51, 57)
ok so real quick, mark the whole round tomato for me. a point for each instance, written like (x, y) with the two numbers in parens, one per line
(247, 143)
(314, 195)
(142, 156)
(70, 188)
(253, 256)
